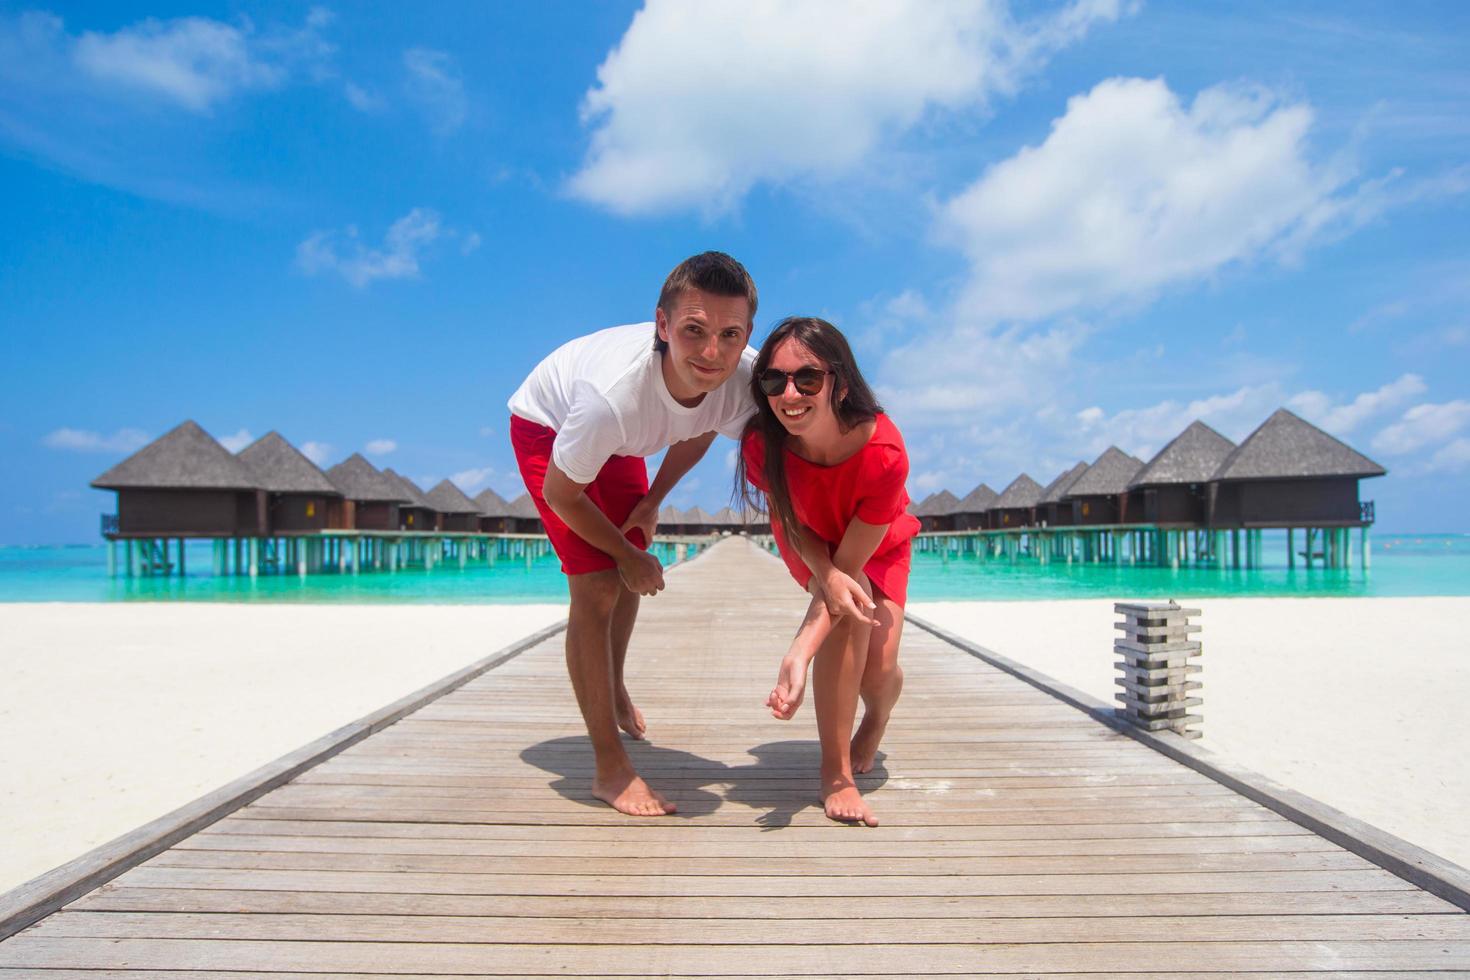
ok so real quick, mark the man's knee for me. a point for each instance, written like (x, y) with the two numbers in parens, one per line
(595, 593)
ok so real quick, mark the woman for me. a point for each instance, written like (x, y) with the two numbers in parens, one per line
(832, 467)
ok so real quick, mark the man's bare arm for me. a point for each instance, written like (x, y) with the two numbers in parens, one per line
(680, 459)
(640, 571)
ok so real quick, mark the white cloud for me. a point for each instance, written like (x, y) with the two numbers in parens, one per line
(1452, 458)
(471, 480)
(434, 83)
(344, 254)
(236, 442)
(193, 61)
(1423, 425)
(469, 243)
(700, 102)
(381, 447)
(317, 452)
(1133, 191)
(85, 441)
(958, 373)
(360, 98)
(1341, 419)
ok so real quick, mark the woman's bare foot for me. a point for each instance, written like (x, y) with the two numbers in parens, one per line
(864, 749)
(843, 803)
(630, 719)
(790, 688)
(626, 792)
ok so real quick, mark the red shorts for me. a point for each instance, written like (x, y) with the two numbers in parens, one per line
(617, 488)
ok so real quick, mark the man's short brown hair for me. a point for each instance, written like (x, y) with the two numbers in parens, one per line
(709, 272)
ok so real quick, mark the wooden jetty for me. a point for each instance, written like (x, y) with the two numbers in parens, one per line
(453, 834)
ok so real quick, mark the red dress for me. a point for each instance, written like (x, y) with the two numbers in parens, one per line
(868, 485)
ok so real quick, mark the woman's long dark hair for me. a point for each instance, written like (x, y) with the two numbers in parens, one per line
(852, 401)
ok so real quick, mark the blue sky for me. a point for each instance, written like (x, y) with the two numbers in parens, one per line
(1048, 228)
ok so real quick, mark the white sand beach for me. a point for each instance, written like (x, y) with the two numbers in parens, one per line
(1359, 703)
(114, 714)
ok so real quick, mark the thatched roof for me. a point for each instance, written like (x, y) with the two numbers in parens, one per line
(524, 507)
(697, 515)
(977, 501)
(491, 504)
(726, 517)
(942, 504)
(670, 515)
(1287, 446)
(412, 495)
(1192, 457)
(357, 479)
(920, 508)
(1023, 492)
(447, 498)
(1057, 489)
(184, 458)
(281, 468)
(1109, 475)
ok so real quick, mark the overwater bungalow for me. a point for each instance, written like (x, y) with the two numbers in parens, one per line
(456, 511)
(184, 483)
(524, 518)
(300, 497)
(1054, 510)
(938, 511)
(726, 521)
(1173, 484)
(494, 512)
(1289, 472)
(1100, 495)
(1016, 505)
(697, 520)
(415, 513)
(972, 513)
(370, 499)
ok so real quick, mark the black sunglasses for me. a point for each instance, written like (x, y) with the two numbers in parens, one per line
(809, 380)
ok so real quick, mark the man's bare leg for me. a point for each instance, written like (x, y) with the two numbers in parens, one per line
(835, 682)
(625, 615)
(590, 665)
(882, 683)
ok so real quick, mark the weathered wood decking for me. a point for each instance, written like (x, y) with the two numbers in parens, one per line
(1019, 837)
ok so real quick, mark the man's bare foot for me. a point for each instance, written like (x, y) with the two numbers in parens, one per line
(627, 793)
(630, 719)
(790, 688)
(864, 748)
(843, 803)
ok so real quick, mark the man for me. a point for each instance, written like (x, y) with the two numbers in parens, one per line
(581, 425)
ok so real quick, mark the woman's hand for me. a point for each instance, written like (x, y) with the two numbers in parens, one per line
(843, 596)
(790, 687)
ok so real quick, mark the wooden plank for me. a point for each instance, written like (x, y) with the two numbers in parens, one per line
(122, 898)
(618, 930)
(654, 959)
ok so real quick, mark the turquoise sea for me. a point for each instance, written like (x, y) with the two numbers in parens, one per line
(1402, 565)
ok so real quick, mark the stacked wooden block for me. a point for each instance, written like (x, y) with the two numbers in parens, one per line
(1156, 651)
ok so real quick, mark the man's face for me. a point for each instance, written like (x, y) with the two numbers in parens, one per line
(706, 335)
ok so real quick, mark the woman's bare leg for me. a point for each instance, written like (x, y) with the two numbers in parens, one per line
(882, 682)
(836, 681)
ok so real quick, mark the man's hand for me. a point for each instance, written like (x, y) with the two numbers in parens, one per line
(644, 517)
(845, 597)
(641, 572)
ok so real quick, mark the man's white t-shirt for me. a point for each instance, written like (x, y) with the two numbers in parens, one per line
(605, 395)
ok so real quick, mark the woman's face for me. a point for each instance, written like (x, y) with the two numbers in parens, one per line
(804, 416)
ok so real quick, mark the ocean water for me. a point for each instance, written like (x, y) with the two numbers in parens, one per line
(1402, 565)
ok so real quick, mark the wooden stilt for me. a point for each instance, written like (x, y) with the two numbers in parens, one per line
(1365, 547)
